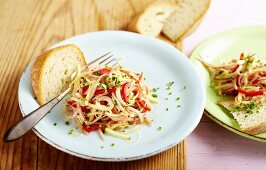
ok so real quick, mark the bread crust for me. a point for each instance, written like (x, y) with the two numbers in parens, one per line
(38, 66)
(256, 129)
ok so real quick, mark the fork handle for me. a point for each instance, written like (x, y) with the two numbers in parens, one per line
(30, 120)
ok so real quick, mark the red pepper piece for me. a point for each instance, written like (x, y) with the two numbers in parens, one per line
(235, 68)
(100, 91)
(104, 103)
(250, 93)
(111, 90)
(255, 81)
(143, 104)
(124, 91)
(84, 109)
(84, 91)
(90, 128)
(72, 103)
(103, 71)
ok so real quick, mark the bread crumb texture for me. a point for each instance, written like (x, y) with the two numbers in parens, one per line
(188, 13)
(252, 123)
(51, 73)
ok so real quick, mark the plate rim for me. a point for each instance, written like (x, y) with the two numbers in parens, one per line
(202, 46)
(119, 159)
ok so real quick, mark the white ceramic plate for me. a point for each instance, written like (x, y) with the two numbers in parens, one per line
(161, 63)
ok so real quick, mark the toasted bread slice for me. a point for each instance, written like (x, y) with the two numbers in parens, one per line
(186, 17)
(251, 123)
(51, 72)
(150, 22)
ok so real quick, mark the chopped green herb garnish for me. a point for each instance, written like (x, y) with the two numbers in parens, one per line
(170, 93)
(184, 87)
(70, 132)
(101, 146)
(166, 98)
(144, 78)
(154, 95)
(154, 90)
(166, 109)
(67, 123)
(248, 108)
(159, 128)
(169, 85)
(55, 124)
(102, 85)
(178, 105)
(178, 98)
(112, 144)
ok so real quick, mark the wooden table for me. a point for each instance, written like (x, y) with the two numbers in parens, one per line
(27, 28)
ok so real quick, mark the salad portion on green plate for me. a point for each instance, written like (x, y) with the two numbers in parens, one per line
(231, 65)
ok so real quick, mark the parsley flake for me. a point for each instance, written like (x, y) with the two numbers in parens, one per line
(70, 132)
(154, 95)
(154, 90)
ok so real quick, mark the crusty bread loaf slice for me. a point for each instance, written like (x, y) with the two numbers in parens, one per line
(150, 21)
(185, 17)
(51, 72)
(251, 123)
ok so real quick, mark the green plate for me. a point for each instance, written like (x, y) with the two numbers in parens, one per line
(219, 49)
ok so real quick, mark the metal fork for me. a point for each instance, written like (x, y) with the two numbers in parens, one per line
(29, 121)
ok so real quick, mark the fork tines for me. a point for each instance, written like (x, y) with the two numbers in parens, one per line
(103, 60)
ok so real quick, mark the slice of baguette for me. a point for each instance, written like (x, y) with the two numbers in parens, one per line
(150, 21)
(254, 123)
(184, 18)
(51, 72)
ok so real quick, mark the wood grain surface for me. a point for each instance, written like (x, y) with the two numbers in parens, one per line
(26, 29)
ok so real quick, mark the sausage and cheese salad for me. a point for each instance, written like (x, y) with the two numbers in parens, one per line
(244, 78)
(109, 100)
